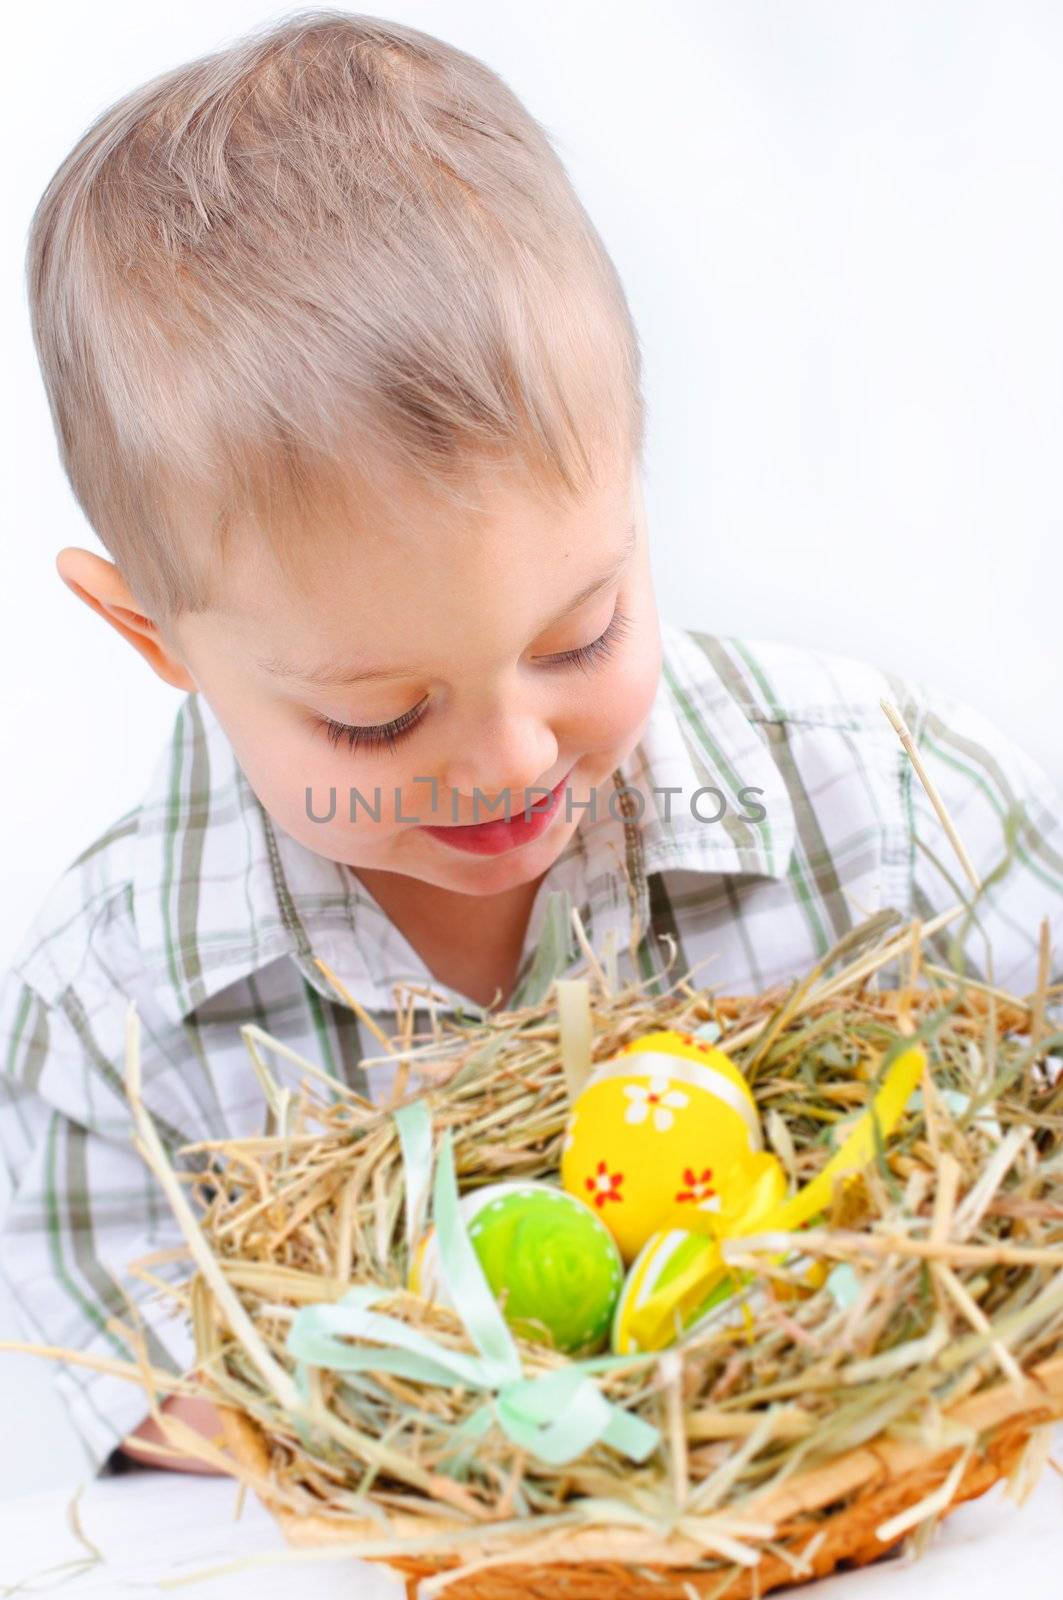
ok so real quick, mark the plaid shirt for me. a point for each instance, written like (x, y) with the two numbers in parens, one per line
(207, 914)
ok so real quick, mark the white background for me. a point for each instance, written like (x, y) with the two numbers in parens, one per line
(840, 227)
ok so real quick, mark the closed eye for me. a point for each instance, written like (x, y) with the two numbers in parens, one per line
(586, 655)
(380, 734)
(375, 737)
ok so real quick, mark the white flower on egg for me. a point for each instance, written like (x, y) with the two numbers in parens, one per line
(655, 1100)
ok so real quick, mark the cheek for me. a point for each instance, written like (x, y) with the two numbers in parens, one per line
(282, 760)
(614, 712)
(304, 784)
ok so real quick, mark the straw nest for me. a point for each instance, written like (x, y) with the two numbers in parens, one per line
(829, 1429)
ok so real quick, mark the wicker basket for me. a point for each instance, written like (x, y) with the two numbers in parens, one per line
(868, 1486)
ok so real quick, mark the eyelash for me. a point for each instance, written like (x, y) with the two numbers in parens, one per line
(389, 733)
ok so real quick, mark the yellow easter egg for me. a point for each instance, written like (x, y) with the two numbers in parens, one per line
(652, 1134)
(672, 1279)
(679, 1283)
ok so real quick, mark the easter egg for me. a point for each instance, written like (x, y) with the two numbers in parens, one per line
(653, 1131)
(752, 1188)
(669, 1285)
(680, 1284)
(550, 1262)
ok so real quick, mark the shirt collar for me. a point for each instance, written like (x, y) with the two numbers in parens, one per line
(220, 890)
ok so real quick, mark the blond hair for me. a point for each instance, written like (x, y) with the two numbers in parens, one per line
(338, 252)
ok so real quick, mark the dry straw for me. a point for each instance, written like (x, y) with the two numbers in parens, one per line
(834, 1425)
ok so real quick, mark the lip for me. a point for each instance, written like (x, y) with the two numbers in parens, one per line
(495, 837)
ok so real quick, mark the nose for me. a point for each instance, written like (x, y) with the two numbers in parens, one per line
(511, 751)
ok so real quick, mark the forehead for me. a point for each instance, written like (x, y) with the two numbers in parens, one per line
(338, 669)
(358, 559)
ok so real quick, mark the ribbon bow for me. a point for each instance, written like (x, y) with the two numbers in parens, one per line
(555, 1416)
(754, 1188)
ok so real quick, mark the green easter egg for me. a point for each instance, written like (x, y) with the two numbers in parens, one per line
(551, 1263)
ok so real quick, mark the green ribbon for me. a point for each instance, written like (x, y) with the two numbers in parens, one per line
(415, 1142)
(555, 1416)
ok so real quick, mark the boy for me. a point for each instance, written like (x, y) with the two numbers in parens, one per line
(344, 380)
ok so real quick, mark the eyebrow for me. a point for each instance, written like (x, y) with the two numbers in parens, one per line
(327, 674)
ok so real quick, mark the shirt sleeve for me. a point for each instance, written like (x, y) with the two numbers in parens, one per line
(1008, 815)
(77, 1209)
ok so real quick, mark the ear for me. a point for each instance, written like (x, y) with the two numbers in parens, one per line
(102, 587)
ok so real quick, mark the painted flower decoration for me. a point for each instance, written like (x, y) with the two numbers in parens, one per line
(604, 1185)
(655, 1100)
(699, 1190)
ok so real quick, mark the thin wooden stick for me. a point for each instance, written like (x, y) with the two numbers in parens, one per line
(901, 729)
(150, 1147)
(671, 1371)
(840, 1242)
(948, 1176)
(585, 945)
(980, 1322)
(574, 1017)
(359, 1010)
(1038, 1027)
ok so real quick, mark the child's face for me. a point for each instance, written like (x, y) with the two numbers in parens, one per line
(464, 620)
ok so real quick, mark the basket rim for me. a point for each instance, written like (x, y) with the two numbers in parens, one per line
(1039, 1401)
